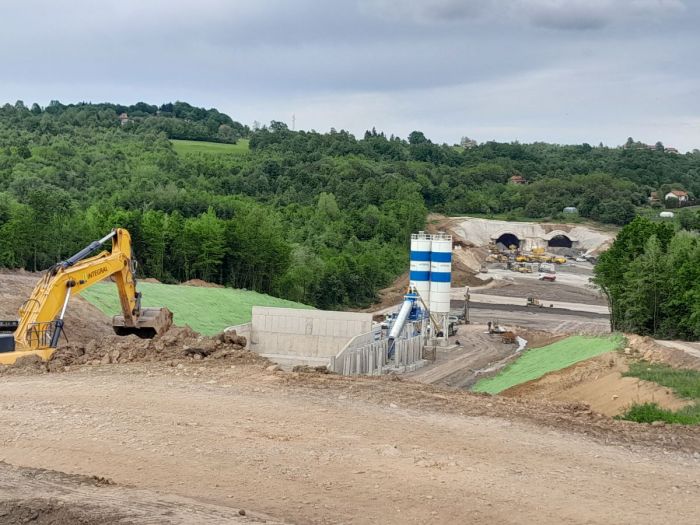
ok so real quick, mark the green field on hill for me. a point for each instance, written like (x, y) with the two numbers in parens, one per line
(206, 310)
(184, 147)
(537, 362)
(653, 213)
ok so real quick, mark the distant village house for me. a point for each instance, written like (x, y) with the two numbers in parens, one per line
(677, 195)
(123, 118)
(518, 179)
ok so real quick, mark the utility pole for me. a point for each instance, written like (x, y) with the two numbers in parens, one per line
(294, 122)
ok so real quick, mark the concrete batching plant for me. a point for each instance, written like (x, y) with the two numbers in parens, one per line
(440, 279)
(419, 278)
(430, 280)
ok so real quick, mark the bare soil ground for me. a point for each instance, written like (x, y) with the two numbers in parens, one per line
(84, 322)
(543, 290)
(598, 382)
(313, 448)
(192, 429)
(463, 365)
(45, 497)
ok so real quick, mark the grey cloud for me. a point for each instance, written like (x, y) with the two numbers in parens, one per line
(568, 17)
(595, 14)
(426, 11)
(552, 14)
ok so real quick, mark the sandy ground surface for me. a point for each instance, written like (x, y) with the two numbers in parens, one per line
(45, 497)
(324, 449)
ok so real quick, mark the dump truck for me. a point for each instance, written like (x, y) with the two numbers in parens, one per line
(40, 325)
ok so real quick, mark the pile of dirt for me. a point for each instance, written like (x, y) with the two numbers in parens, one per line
(199, 283)
(53, 512)
(599, 383)
(48, 497)
(649, 350)
(151, 280)
(306, 369)
(176, 344)
(83, 321)
(538, 338)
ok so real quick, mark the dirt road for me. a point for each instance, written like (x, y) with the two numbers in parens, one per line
(319, 449)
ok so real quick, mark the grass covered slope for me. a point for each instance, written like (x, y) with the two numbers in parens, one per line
(539, 361)
(685, 383)
(206, 310)
(184, 147)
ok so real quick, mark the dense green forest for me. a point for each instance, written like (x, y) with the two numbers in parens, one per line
(321, 218)
(651, 276)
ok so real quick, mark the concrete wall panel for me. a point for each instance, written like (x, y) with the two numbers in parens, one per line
(301, 335)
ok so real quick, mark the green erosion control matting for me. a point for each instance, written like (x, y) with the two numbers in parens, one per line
(206, 310)
(537, 362)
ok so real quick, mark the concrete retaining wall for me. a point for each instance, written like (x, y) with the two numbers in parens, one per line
(289, 336)
(369, 358)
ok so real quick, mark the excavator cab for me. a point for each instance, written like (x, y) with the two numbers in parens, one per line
(40, 324)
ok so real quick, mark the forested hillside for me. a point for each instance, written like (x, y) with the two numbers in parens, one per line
(651, 276)
(317, 218)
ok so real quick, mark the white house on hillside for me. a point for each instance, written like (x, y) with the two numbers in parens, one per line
(678, 195)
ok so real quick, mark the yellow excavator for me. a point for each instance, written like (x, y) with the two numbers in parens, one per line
(40, 324)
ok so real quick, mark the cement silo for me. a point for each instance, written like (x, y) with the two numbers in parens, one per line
(421, 243)
(440, 278)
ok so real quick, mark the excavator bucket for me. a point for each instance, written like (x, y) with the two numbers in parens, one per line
(151, 322)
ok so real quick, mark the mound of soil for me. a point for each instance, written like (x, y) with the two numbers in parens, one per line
(52, 512)
(649, 350)
(199, 283)
(175, 345)
(599, 383)
(151, 280)
(84, 322)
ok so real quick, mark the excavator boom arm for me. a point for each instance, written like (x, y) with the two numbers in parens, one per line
(41, 317)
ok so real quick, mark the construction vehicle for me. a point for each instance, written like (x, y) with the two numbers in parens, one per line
(533, 301)
(40, 324)
(508, 338)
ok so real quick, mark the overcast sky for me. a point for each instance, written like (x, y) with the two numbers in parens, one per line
(566, 71)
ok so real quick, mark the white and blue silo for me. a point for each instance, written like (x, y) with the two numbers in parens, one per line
(440, 274)
(419, 278)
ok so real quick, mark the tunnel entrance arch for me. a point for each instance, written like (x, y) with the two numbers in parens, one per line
(560, 241)
(508, 239)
